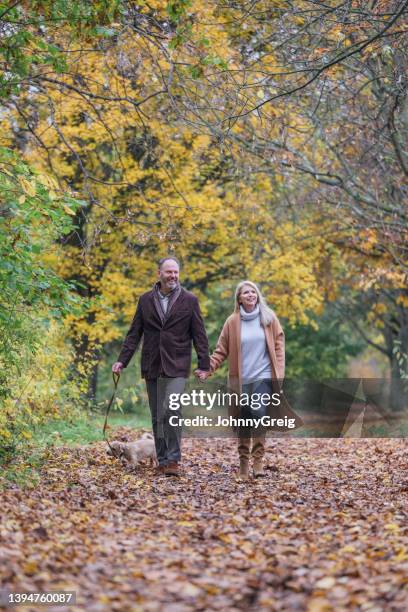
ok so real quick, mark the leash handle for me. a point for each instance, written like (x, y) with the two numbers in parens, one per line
(116, 377)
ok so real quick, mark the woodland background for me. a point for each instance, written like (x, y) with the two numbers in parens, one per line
(254, 139)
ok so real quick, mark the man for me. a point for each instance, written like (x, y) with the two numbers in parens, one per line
(169, 319)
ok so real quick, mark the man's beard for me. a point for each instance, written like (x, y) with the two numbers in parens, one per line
(172, 284)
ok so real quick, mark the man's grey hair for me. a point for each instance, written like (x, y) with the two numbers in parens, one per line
(163, 259)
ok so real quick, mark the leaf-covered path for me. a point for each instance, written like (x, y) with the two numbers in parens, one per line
(325, 529)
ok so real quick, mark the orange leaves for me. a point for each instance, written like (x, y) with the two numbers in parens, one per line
(312, 535)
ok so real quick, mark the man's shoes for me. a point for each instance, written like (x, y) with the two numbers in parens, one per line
(161, 469)
(172, 469)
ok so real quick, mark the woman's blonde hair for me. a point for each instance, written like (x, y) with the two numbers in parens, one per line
(266, 313)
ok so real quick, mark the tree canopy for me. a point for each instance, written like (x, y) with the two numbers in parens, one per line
(264, 141)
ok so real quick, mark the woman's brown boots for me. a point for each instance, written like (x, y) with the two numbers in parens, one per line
(243, 468)
(244, 451)
(258, 452)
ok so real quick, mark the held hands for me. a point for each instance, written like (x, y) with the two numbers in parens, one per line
(202, 375)
(117, 367)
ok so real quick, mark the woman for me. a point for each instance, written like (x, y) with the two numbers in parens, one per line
(253, 342)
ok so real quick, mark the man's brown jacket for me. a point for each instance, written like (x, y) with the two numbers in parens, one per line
(167, 339)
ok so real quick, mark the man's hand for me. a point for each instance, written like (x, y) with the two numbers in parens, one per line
(117, 367)
(202, 374)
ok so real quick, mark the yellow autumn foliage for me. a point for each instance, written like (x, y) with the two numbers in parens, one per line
(43, 391)
(153, 185)
(148, 202)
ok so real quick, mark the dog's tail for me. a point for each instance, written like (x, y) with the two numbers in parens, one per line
(147, 436)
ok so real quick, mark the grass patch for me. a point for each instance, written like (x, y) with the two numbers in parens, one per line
(86, 429)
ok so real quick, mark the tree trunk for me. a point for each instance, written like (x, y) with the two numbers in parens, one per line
(87, 357)
(397, 344)
(398, 393)
(86, 366)
(93, 380)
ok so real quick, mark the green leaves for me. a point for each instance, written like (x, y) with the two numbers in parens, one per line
(197, 71)
(177, 9)
(105, 31)
(32, 217)
(25, 46)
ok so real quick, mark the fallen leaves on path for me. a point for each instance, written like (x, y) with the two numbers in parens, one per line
(325, 529)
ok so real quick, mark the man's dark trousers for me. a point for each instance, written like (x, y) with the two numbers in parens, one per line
(167, 437)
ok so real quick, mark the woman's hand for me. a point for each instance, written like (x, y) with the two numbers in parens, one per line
(202, 374)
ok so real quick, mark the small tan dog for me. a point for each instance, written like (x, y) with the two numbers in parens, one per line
(135, 452)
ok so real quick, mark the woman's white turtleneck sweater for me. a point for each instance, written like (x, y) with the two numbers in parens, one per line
(256, 363)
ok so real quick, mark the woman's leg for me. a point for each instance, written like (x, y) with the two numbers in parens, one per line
(258, 453)
(244, 451)
(244, 440)
(259, 435)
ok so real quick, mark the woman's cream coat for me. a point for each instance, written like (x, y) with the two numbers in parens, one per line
(229, 347)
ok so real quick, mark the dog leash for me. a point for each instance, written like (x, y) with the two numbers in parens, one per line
(116, 377)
